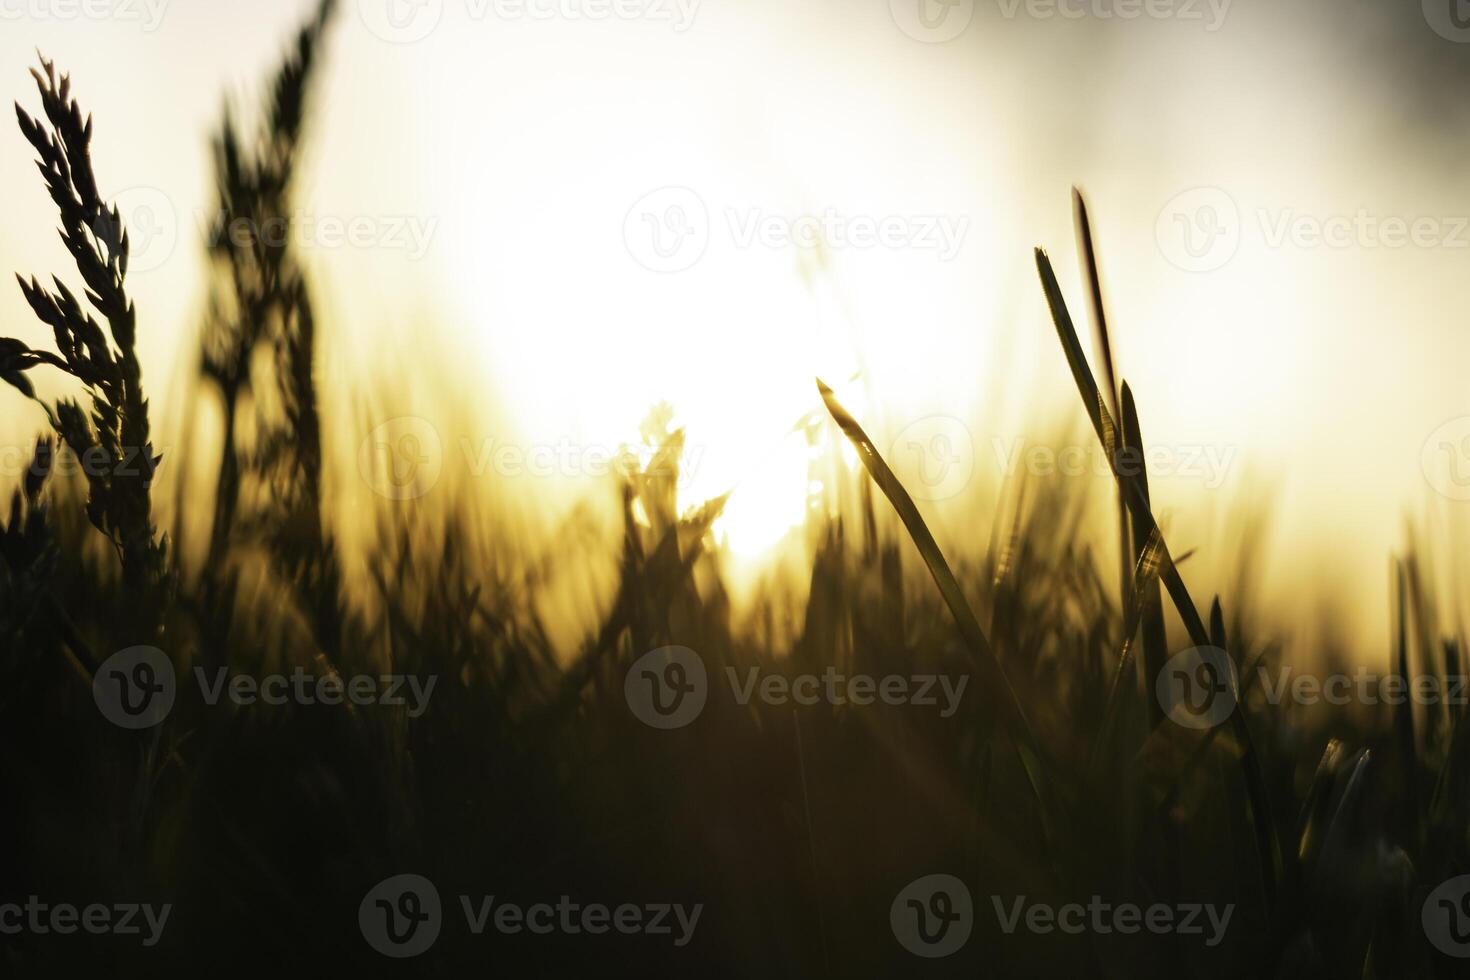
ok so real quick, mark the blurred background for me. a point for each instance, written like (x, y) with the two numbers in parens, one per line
(534, 222)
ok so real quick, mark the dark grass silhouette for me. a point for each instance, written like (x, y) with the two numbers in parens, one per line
(1059, 778)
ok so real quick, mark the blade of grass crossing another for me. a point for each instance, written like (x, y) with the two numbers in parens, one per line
(1106, 430)
(1024, 738)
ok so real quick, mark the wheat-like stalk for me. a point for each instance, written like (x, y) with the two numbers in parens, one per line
(114, 438)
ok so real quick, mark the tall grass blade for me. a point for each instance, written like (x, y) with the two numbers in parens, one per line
(949, 588)
(1155, 641)
(1088, 253)
(1267, 841)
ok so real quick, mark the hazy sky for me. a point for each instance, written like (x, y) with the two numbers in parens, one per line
(590, 207)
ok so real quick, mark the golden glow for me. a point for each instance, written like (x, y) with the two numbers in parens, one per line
(529, 144)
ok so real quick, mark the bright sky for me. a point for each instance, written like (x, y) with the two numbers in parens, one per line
(587, 209)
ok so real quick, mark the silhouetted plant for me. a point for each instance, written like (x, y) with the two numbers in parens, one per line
(260, 299)
(112, 442)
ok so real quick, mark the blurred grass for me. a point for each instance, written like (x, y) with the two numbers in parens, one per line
(528, 777)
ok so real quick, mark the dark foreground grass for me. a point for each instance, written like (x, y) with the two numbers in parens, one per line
(1058, 777)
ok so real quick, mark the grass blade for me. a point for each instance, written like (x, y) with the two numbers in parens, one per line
(1088, 253)
(949, 588)
(1267, 841)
